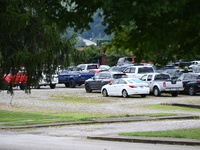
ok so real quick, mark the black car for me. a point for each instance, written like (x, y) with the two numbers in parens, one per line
(99, 80)
(191, 83)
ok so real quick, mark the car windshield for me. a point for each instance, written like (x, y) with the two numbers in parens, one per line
(145, 70)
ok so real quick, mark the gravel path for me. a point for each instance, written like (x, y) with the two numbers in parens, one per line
(41, 98)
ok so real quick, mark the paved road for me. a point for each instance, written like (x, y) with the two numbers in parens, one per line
(45, 142)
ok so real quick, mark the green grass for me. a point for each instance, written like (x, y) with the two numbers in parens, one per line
(184, 133)
(16, 117)
(169, 107)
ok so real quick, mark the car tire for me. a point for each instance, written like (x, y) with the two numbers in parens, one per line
(72, 83)
(174, 94)
(104, 93)
(52, 86)
(66, 84)
(156, 91)
(5, 85)
(191, 91)
(22, 87)
(143, 95)
(125, 94)
(87, 88)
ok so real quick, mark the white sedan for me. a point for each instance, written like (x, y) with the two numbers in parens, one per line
(126, 87)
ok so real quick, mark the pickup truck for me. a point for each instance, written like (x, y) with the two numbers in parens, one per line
(73, 78)
(162, 83)
(18, 79)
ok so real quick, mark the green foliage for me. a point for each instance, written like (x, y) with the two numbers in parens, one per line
(156, 30)
(31, 35)
(91, 54)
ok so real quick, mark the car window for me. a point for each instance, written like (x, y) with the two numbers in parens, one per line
(187, 77)
(127, 70)
(149, 78)
(97, 76)
(92, 67)
(82, 67)
(108, 76)
(103, 76)
(132, 70)
(117, 76)
(143, 78)
(114, 82)
(145, 70)
(122, 82)
(162, 77)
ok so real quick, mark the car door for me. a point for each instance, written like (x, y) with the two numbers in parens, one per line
(106, 79)
(149, 81)
(112, 88)
(120, 86)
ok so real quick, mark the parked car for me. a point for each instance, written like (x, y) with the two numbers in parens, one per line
(119, 68)
(86, 67)
(126, 87)
(125, 60)
(138, 71)
(19, 79)
(99, 80)
(73, 78)
(162, 83)
(104, 67)
(48, 80)
(191, 83)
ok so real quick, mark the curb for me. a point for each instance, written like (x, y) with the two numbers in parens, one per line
(153, 140)
(103, 120)
(183, 105)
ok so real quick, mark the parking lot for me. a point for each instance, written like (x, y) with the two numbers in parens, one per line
(43, 98)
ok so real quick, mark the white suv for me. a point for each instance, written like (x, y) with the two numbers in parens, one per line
(86, 67)
(48, 80)
(138, 71)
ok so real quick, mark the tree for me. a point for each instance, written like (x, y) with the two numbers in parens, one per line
(157, 30)
(31, 35)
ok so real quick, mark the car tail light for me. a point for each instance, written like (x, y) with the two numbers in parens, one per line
(111, 80)
(197, 80)
(164, 84)
(132, 86)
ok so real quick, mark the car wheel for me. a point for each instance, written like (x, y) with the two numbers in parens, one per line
(143, 95)
(72, 83)
(156, 91)
(22, 87)
(104, 93)
(125, 94)
(174, 94)
(87, 88)
(37, 86)
(191, 91)
(5, 85)
(52, 86)
(66, 84)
